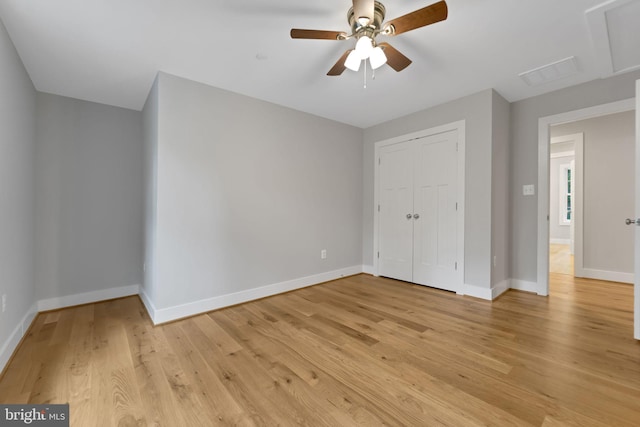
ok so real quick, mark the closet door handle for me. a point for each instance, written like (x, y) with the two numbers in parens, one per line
(416, 216)
(408, 216)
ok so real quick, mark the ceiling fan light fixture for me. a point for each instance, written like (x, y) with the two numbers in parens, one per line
(377, 58)
(353, 61)
(364, 46)
(367, 21)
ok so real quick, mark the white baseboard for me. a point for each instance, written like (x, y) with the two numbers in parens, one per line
(87, 297)
(148, 305)
(560, 241)
(611, 276)
(488, 294)
(500, 288)
(10, 345)
(523, 285)
(368, 269)
(477, 292)
(169, 314)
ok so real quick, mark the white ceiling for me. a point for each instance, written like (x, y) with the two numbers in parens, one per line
(109, 51)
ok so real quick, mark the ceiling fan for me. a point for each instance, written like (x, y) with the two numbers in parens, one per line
(366, 20)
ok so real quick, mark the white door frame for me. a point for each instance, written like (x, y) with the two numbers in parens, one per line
(544, 123)
(460, 126)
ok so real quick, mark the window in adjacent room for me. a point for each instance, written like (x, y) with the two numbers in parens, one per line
(566, 193)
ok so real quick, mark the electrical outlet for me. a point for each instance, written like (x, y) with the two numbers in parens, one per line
(528, 190)
(4, 302)
(323, 254)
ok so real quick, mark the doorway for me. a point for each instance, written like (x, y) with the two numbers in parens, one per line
(544, 135)
(565, 202)
(595, 195)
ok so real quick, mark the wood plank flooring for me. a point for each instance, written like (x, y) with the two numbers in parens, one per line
(560, 259)
(356, 351)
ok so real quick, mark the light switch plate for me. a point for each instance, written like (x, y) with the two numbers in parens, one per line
(528, 190)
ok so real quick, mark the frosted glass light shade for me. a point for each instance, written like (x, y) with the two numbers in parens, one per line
(377, 58)
(364, 46)
(353, 61)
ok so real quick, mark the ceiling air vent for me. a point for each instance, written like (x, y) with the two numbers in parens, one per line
(550, 72)
(614, 33)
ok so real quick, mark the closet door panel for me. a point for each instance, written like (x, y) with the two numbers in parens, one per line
(435, 197)
(396, 205)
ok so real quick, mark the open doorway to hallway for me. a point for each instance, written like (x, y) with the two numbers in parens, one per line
(565, 194)
(591, 192)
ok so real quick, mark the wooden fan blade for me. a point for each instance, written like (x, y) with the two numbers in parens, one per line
(339, 67)
(317, 34)
(427, 15)
(363, 9)
(395, 59)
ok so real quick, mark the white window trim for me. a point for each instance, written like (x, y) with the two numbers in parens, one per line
(563, 193)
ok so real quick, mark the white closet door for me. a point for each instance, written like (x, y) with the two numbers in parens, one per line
(435, 211)
(396, 212)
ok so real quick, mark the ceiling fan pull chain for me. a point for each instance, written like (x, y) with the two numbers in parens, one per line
(373, 73)
(365, 73)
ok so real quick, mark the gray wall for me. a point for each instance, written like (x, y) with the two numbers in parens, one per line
(248, 193)
(524, 156)
(500, 219)
(17, 142)
(609, 147)
(477, 111)
(89, 197)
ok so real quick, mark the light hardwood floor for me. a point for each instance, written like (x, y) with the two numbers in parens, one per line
(560, 259)
(360, 350)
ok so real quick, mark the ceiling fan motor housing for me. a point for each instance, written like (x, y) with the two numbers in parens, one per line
(359, 28)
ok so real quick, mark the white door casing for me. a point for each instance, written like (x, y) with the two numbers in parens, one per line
(572, 226)
(436, 166)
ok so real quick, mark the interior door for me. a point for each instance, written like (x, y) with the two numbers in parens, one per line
(636, 286)
(396, 212)
(435, 211)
